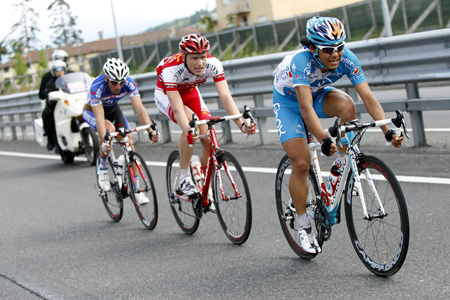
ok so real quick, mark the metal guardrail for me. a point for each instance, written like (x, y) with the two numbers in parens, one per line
(408, 59)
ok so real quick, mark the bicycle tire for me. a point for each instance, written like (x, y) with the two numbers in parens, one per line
(112, 201)
(288, 218)
(148, 213)
(234, 211)
(381, 243)
(182, 210)
(90, 144)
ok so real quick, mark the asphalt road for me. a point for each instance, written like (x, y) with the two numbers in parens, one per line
(57, 242)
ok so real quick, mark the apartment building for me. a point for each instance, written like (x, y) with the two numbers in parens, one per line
(236, 13)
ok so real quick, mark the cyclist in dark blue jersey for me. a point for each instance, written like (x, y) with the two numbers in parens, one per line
(101, 111)
(302, 91)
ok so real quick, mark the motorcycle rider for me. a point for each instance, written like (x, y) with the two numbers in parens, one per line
(101, 111)
(58, 68)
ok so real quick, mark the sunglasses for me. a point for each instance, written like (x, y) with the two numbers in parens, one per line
(58, 69)
(330, 50)
(116, 82)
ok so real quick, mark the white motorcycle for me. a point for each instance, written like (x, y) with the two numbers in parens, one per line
(74, 136)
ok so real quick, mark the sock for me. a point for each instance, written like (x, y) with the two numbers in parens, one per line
(136, 182)
(184, 173)
(103, 165)
(303, 222)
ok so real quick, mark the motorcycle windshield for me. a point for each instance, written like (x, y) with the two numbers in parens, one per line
(73, 82)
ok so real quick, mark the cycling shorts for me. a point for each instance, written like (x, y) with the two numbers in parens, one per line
(193, 100)
(114, 115)
(288, 116)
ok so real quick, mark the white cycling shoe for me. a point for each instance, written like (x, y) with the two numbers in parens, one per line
(141, 199)
(103, 180)
(308, 241)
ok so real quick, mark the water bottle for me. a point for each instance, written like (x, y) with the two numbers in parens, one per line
(120, 162)
(333, 179)
(196, 168)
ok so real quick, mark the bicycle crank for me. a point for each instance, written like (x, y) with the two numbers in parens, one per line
(321, 219)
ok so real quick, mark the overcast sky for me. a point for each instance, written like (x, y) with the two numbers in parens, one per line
(132, 16)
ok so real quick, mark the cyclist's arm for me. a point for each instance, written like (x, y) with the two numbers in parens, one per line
(99, 114)
(229, 105)
(305, 101)
(374, 109)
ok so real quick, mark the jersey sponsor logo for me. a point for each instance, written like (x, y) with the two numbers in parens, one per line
(355, 71)
(294, 67)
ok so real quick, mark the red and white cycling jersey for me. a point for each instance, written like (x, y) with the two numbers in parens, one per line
(173, 74)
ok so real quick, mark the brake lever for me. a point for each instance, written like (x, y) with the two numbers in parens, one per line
(335, 131)
(193, 125)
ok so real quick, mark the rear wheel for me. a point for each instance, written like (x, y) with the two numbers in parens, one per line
(111, 199)
(182, 208)
(67, 157)
(90, 144)
(232, 199)
(381, 241)
(148, 213)
(286, 212)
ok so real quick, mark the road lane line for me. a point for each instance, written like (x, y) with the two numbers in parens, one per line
(401, 178)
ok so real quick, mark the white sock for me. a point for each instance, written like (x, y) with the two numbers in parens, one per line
(184, 173)
(136, 182)
(303, 222)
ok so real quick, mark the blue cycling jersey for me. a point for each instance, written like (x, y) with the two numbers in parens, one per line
(301, 68)
(99, 93)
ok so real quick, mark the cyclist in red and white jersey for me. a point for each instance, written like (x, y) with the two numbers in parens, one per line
(177, 97)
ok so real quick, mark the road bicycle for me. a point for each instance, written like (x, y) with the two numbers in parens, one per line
(122, 172)
(375, 208)
(230, 200)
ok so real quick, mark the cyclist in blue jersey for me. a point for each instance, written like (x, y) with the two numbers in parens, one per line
(302, 91)
(102, 112)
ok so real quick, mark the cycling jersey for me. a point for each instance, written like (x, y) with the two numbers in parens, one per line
(173, 75)
(301, 68)
(99, 93)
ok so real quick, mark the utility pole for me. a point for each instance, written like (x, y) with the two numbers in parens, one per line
(119, 48)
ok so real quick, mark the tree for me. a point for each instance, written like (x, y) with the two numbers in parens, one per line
(27, 25)
(42, 63)
(209, 22)
(63, 24)
(19, 64)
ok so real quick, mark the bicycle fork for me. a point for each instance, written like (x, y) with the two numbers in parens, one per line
(358, 187)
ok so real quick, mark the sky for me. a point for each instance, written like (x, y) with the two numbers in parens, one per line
(132, 16)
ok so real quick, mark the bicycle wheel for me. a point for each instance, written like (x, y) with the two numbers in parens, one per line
(382, 241)
(234, 206)
(182, 209)
(90, 144)
(286, 213)
(148, 213)
(111, 199)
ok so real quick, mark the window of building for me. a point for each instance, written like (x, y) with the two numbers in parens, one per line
(262, 19)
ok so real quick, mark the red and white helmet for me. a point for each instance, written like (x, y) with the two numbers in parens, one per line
(194, 43)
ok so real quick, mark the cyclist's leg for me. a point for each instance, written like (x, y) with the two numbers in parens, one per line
(331, 102)
(195, 104)
(292, 136)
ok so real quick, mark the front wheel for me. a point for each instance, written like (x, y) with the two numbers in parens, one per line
(381, 241)
(182, 208)
(142, 182)
(90, 144)
(286, 212)
(232, 199)
(112, 199)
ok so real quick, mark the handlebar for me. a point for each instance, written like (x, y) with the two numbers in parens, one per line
(246, 115)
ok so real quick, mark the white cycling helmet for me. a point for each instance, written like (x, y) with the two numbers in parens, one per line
(60, 55)
(57, 65)
(116, 70)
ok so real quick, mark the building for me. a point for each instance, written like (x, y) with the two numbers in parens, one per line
(236, 13)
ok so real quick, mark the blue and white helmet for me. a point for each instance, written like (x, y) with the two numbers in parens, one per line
(325, 31)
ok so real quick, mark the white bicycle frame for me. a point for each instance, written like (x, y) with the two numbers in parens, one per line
(352, 150)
